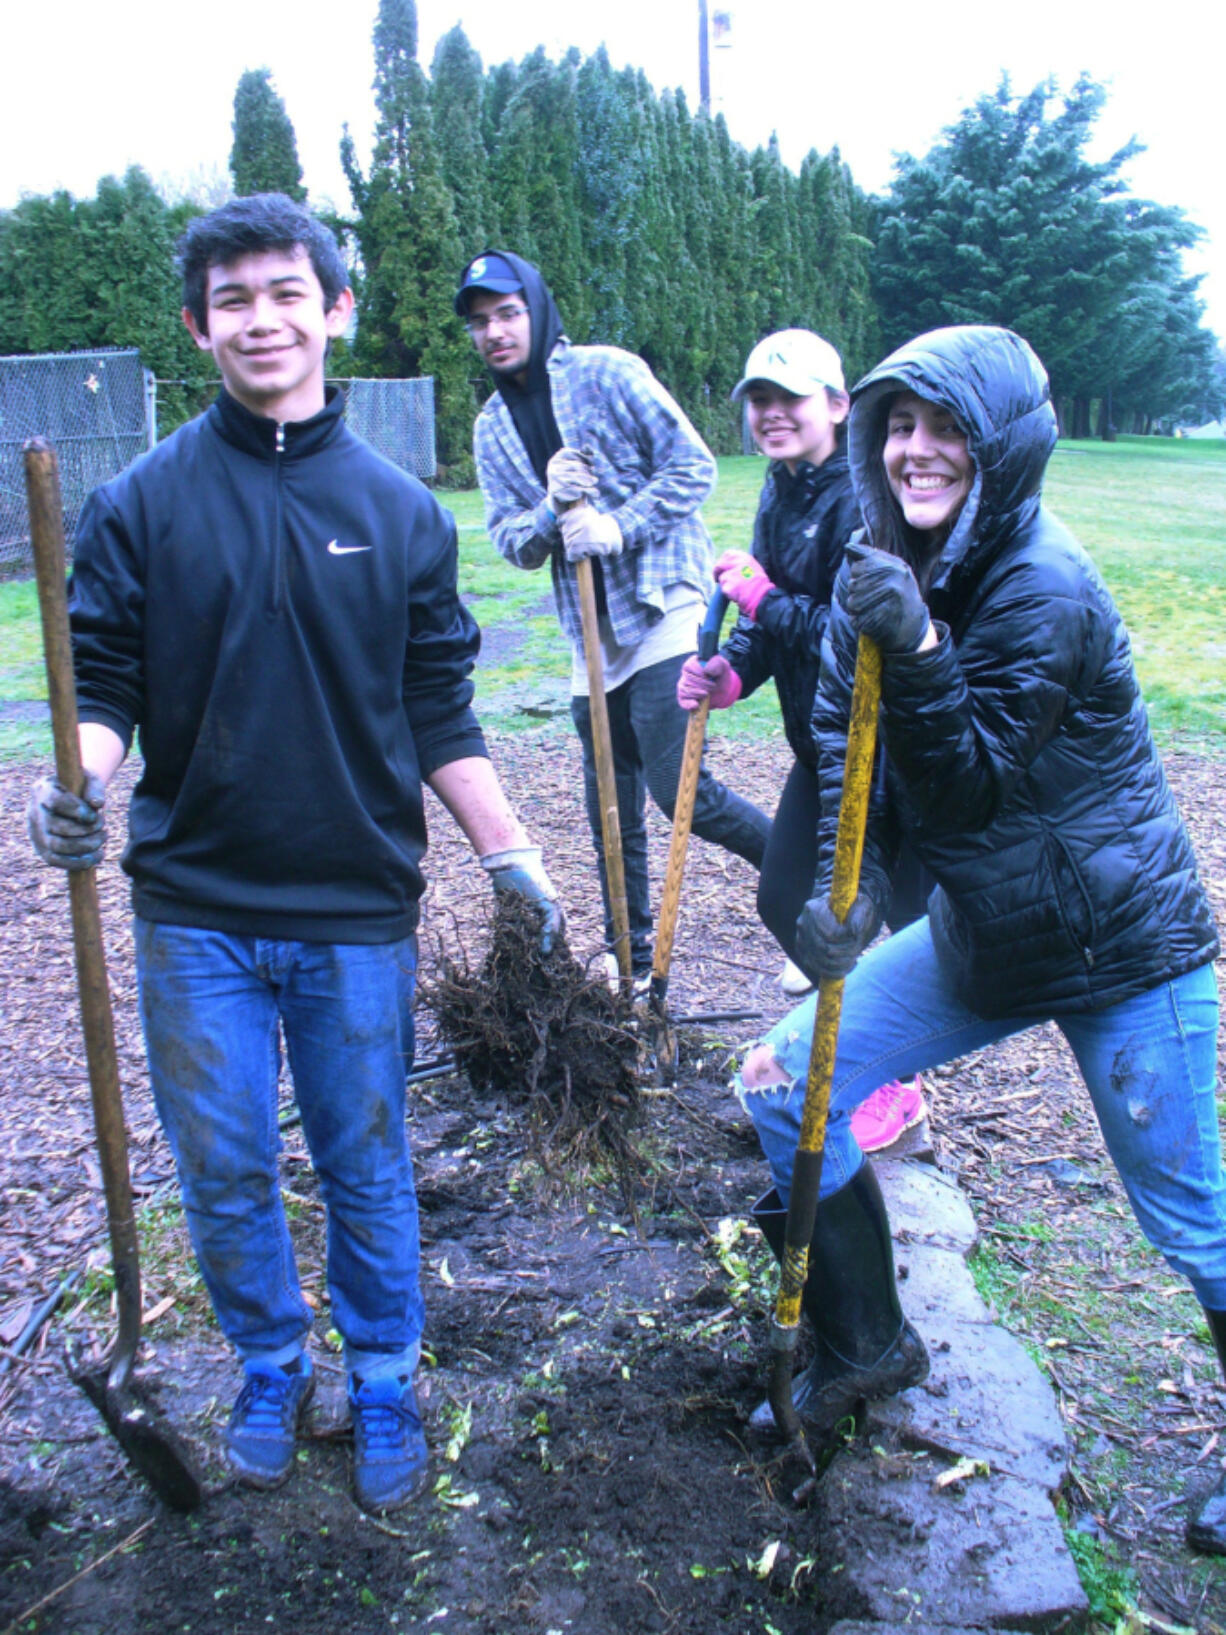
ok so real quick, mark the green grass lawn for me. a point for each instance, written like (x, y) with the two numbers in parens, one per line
(1151, 512)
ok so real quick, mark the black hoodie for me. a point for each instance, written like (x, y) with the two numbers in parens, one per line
(530, 404)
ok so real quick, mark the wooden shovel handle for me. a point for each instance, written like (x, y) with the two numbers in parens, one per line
(47, 540)
(683, 818)
(606, 776)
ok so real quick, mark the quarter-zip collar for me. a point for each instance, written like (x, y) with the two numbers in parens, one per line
(266, 439)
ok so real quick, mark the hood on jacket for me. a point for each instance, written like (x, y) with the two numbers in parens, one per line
(529, 401)
(546, 322)
(991, 380)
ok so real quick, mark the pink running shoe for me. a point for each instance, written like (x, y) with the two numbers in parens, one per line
(895, 1107)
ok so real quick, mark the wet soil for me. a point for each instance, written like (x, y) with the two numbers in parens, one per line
(590, 1367)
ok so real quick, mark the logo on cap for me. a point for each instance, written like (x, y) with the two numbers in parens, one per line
(477, 268)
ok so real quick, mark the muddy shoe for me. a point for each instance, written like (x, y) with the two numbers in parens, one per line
(259, 1439)
(1207, 1531)
(391, 1463)
(830, 1388)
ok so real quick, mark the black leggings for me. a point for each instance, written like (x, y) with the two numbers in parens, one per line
(789, 865)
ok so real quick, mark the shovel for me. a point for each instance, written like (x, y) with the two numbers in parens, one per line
(154, 1448)
(606, 777)
(807, 1171)
(664, 1038)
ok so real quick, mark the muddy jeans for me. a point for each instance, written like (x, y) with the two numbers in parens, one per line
(1149, 1065)
(648, 726)
(214, 1007)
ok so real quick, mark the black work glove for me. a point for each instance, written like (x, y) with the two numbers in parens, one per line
(67, 831)
(883, 600)
(826, 948)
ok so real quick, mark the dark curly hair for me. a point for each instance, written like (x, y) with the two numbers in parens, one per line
(261, 221)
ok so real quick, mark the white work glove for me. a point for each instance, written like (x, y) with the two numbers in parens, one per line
(569, 477)
(588, 532)
(68, 831)
(521, 870)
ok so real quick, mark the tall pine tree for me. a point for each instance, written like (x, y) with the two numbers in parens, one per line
(409, 244)
(264, 158)
(456, 85)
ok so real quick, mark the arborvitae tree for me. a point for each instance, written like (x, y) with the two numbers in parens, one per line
(610, 181)
(80, 274)
(264, 158)
(535, 176)
(409, 245)
(1007, 221)
(456, 85)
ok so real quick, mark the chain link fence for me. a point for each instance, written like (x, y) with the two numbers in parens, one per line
(396, 417)
(99, 409)
(95, 407)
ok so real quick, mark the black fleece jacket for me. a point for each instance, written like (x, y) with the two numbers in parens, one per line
(276, 611)
(802, 525)
(1018, 754)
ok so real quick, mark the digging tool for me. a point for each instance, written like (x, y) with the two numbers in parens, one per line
(152, 1446)
(664, 1037)
(606, 777)
(807, 1171)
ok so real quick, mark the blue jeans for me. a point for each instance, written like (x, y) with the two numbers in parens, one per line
(648, 727)
(1148, 1063)
(212, 1006)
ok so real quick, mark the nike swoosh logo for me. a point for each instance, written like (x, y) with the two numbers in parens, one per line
(345, 550)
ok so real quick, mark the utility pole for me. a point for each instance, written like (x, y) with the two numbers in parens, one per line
(704, 59)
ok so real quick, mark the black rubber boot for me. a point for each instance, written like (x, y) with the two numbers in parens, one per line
(1207, 1531)
(865, 1346)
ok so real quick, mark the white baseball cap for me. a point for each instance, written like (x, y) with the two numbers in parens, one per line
(796, 359)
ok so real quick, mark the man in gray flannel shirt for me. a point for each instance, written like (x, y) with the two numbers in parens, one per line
(567, 423)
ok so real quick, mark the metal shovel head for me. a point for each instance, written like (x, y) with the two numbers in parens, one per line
(659, 1036)
(152, 1445)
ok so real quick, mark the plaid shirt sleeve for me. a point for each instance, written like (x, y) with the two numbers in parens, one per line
(517, 518)
(653, 472)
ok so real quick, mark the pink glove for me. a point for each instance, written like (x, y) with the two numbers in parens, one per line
(743, 580)
(716, 680)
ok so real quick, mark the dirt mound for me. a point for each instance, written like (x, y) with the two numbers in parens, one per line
(538, 1029)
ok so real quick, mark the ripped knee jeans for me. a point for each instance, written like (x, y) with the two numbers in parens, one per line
(1149, 1065)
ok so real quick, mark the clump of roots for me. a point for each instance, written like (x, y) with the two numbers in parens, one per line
(540, 1030)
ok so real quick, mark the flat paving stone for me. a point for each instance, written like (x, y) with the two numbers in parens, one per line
(984, 1399)
(986, 1552)
(934, 1285)
(925, 1205)
(990, 1551)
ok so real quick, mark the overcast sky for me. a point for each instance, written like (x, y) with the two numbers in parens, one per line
(93, 86)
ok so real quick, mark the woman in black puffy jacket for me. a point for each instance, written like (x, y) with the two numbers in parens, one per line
(1020, 767)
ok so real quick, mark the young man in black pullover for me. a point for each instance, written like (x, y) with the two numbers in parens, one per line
(273, 607)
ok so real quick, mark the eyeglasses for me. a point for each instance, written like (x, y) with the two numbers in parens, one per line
(500, 315)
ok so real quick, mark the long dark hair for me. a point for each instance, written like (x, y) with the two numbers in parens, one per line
(887, 528)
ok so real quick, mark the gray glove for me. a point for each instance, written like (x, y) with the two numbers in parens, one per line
(883, 599)
(520, 869)
(588, 532)
(568, 477)
(827, 948)
(67, 831)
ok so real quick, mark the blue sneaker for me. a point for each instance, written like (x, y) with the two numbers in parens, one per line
(264, 1421)
(390, 1457)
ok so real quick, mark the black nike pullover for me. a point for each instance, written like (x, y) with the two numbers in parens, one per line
(275, 611)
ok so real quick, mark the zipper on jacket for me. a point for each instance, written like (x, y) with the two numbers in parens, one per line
(278, 548)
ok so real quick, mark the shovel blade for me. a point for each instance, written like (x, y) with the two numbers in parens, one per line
(152, 1446)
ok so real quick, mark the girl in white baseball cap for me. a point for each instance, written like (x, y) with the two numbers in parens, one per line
(796, 405)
